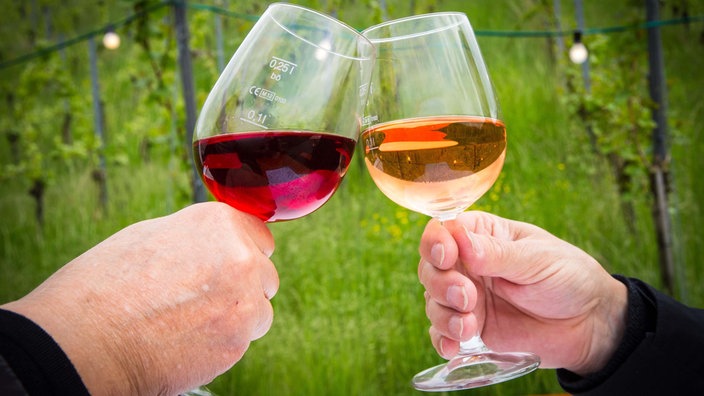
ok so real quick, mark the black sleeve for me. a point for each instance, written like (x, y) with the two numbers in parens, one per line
(31, 362)
(662, 351)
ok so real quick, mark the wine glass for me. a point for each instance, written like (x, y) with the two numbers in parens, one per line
(277, 132)
(434, 143)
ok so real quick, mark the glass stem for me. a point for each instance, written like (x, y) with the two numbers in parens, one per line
(475, 344)
(472, 346)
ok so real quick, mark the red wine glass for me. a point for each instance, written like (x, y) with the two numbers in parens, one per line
(277, 132)
(435, 143)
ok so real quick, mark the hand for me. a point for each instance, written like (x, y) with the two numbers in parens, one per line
(523, 289)
(164, 305)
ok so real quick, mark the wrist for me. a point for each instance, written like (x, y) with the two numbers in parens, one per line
(609, 326)
(80, 339)
(641, 319)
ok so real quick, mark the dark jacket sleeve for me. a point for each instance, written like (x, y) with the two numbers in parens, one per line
(662, 351)
(31, 362)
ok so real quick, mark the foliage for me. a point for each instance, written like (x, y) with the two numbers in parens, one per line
(349, 314)
(616, 112)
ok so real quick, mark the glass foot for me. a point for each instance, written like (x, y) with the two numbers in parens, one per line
(201, 391)
(476, 370)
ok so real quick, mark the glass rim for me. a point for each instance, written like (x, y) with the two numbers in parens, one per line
(329, 18)
(461, 18)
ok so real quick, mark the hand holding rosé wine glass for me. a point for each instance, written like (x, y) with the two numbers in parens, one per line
(434, 143)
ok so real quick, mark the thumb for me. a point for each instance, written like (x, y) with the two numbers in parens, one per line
(484, 255)
(492, 246)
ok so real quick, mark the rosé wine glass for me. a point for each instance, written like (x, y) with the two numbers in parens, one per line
(434, 143)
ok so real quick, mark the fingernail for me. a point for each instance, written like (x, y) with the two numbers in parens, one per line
(457, 296)
(473, 243)
(437, 253)
(456, 326)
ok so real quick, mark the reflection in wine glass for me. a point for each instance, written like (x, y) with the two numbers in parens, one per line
(277, 132)
(434, 143)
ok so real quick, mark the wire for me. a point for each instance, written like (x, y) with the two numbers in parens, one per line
(223, 11)
(489, 33)
(590, 31)
(67, 43)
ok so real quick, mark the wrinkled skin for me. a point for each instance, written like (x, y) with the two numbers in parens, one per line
(523, 289)
(164, 305)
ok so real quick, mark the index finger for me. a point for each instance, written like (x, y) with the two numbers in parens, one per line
(257, 230)
(437, 245)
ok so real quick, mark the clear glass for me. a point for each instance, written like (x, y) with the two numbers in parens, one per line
(277, 132)
(434, 143)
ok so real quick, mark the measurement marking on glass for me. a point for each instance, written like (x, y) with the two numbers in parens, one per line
(280, 66)
(367, 120)
(363, 89)
(266, 94)
(253, 123)
(254, 118)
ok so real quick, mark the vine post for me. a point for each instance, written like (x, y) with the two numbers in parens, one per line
(99, 174)
(586, 78)
(660, 170)
(186, 70)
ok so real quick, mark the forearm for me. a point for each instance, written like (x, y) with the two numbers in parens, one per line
(79, 335)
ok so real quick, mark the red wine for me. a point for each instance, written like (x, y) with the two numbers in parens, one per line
(274, 175)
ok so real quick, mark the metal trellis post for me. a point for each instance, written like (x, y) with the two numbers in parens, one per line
(100, 176)
(186, 70)
(658, 93)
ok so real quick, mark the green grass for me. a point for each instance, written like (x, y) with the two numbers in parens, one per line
(349, 316)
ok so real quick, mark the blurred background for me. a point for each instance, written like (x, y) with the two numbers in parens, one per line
(94, 136)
